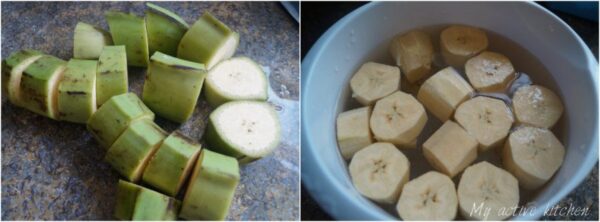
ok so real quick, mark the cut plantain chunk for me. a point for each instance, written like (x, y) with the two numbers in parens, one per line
(211, 187)
(486, 119)
(111, 77)
(39, 85)
(246, 130)
(172, 86)
(218, 41)
(379, 171)
(459, 43)
(398, 118)
(450, 149)
(537, 106)
(130, 153)
(165, 29)
(237, 78)
(77, 91)
(130, 30)
(353, 132)
(172, 163)
(533, 155)
(490, 188)
(443, 92)
(431, 196)
(413, 52)
(135, 202)
(490, 72)
(374, 81)
(88, 41)
(113, 117)
(15, 64)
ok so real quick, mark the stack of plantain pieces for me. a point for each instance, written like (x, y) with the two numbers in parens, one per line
(92, 88)
(142, 151)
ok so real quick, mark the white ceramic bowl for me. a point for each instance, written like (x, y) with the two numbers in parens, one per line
(363, 34)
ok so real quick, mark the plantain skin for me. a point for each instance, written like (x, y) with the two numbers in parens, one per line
(172, 163)
(113, 117)
(172, 86)
(76, 91)
(39, 85)
(211, 187)
(215, 35)
(165, 29)
(130, 30)
(111, 77)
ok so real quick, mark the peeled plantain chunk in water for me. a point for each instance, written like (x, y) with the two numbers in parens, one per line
(208, 41)
(246, 130)
(172, 86)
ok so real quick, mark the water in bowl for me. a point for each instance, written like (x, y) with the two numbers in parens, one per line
(529, 69)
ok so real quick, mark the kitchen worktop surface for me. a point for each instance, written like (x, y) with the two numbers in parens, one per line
(54, 170)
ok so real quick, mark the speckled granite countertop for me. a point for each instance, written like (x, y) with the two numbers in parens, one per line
(54, 170)
(324, 14)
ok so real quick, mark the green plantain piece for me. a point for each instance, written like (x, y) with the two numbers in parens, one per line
(208, 41)
(165, 29)
(237, 78)
(113, 117)
(111, 78)
(12, 71)
(88, 41)
(172, 86)
(172, 163)
(135, 202)
(39, 85)
(246, 130)
(77, 91)
(129, 30)
(130, 153)
(211, 187)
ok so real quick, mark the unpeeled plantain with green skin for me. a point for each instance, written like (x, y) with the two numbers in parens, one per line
(172, 163)
(113, 117)
(172, 86)
(111, 77)
(39, 85)
(131, 152)
(246, 130)
(211, 187)
(237, 78)
(135, 202)
(217, 41)
(130, 30)
(165, 29)
(77, 91)
(88, 41)
(12, 71)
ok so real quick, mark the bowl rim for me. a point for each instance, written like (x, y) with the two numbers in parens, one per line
(313, 169)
